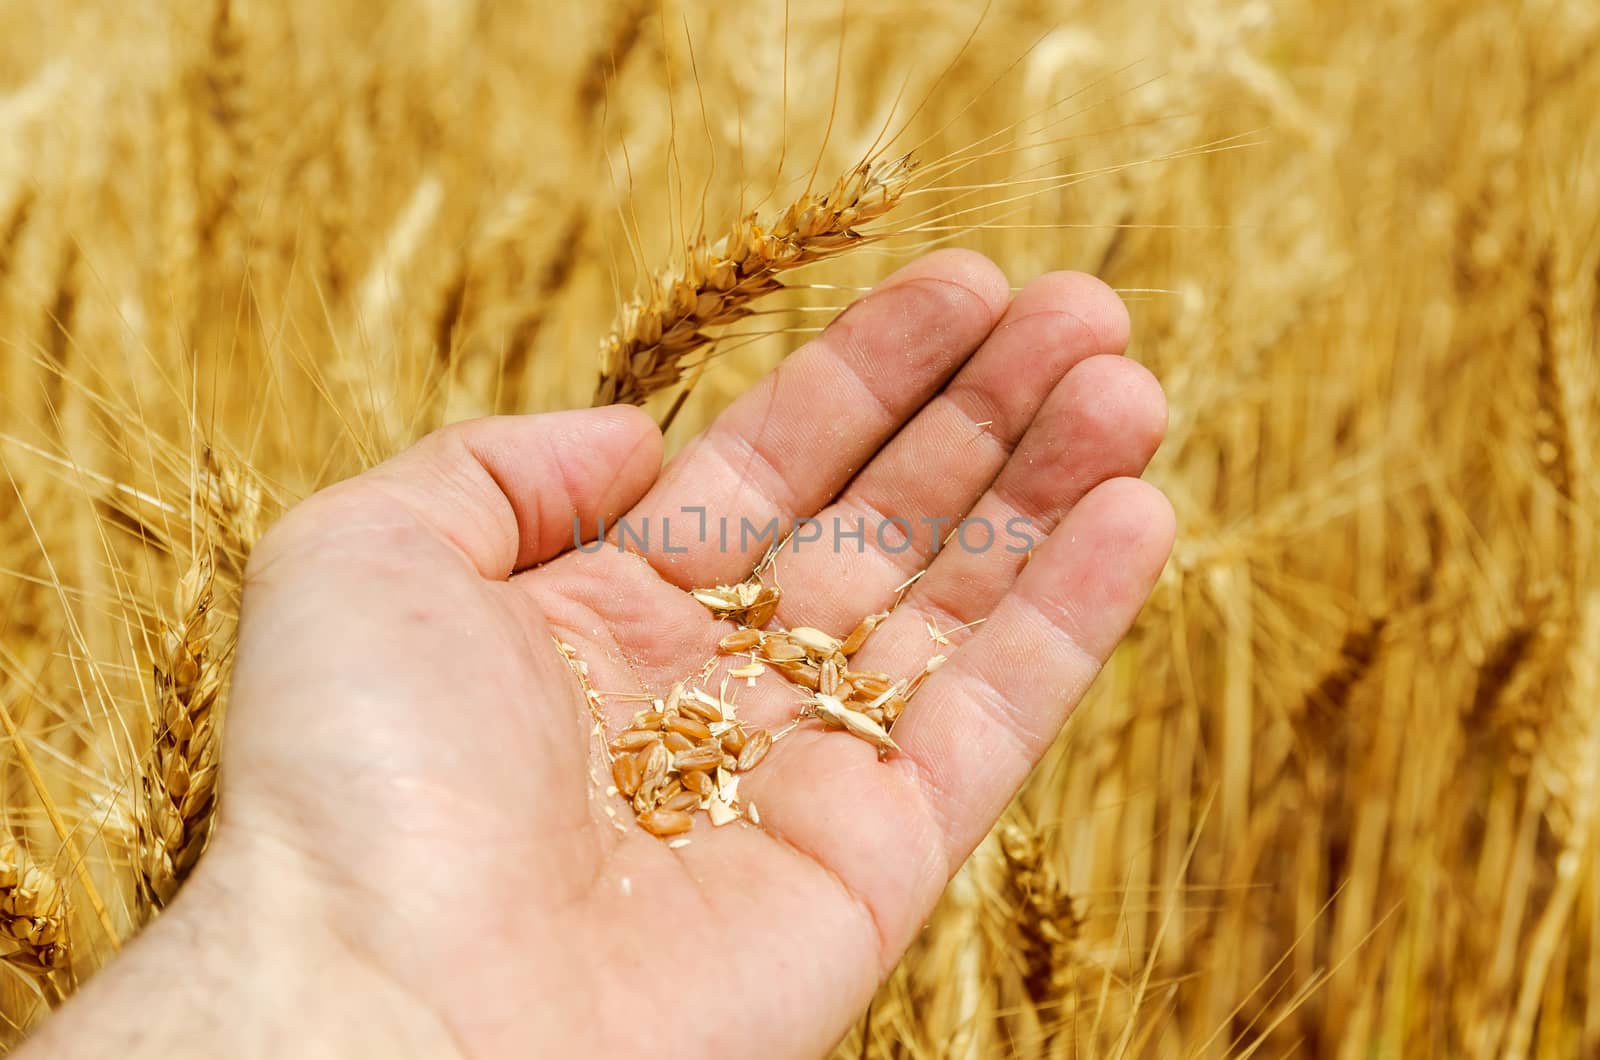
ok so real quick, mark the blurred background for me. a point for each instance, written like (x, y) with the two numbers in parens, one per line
(1335, 797)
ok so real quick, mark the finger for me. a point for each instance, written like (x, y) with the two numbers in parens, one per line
(982, 721)
(932, 473)
(1104, 421)
(506, 492)
(827, 798)
(789, 444)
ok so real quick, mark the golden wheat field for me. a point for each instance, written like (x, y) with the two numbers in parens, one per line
(1337, 793)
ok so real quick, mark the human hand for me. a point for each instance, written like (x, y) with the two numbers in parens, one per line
(414, 855)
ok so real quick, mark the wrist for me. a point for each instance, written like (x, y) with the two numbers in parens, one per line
(244, 964)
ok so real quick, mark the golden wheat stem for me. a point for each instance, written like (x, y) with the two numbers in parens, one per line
(1552, 928)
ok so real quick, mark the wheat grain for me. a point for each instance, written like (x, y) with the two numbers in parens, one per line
(734, 739)
(698, 783)
(740, 640)
(689, 728)
(858, 636)
(754, 751)
(653, 775)
(681, 801)
(628, 772)
(702, 757)
(647, 720)
(665, 822)
(638, 738)
(801, 673)
(870, 684)
(814, 641)
(781, 648)
(750, 603)
(828, 677)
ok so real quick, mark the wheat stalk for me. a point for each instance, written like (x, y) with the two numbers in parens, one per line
(16, 220)
(1552, 431)
(646, 350)
(33, 913)
(626, 30)
(180, 783)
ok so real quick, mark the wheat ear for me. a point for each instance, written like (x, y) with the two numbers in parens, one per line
(716, 283)
(180, 784)
(235, 504)
(1048, 919)
(33, 913)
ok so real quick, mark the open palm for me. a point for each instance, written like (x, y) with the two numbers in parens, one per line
(406, 740)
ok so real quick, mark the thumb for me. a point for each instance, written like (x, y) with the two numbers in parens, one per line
(504, 491)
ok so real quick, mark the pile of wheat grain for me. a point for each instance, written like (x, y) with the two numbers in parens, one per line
(1336, 794)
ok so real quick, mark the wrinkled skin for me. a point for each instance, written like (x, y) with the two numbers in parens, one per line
(415, 857)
